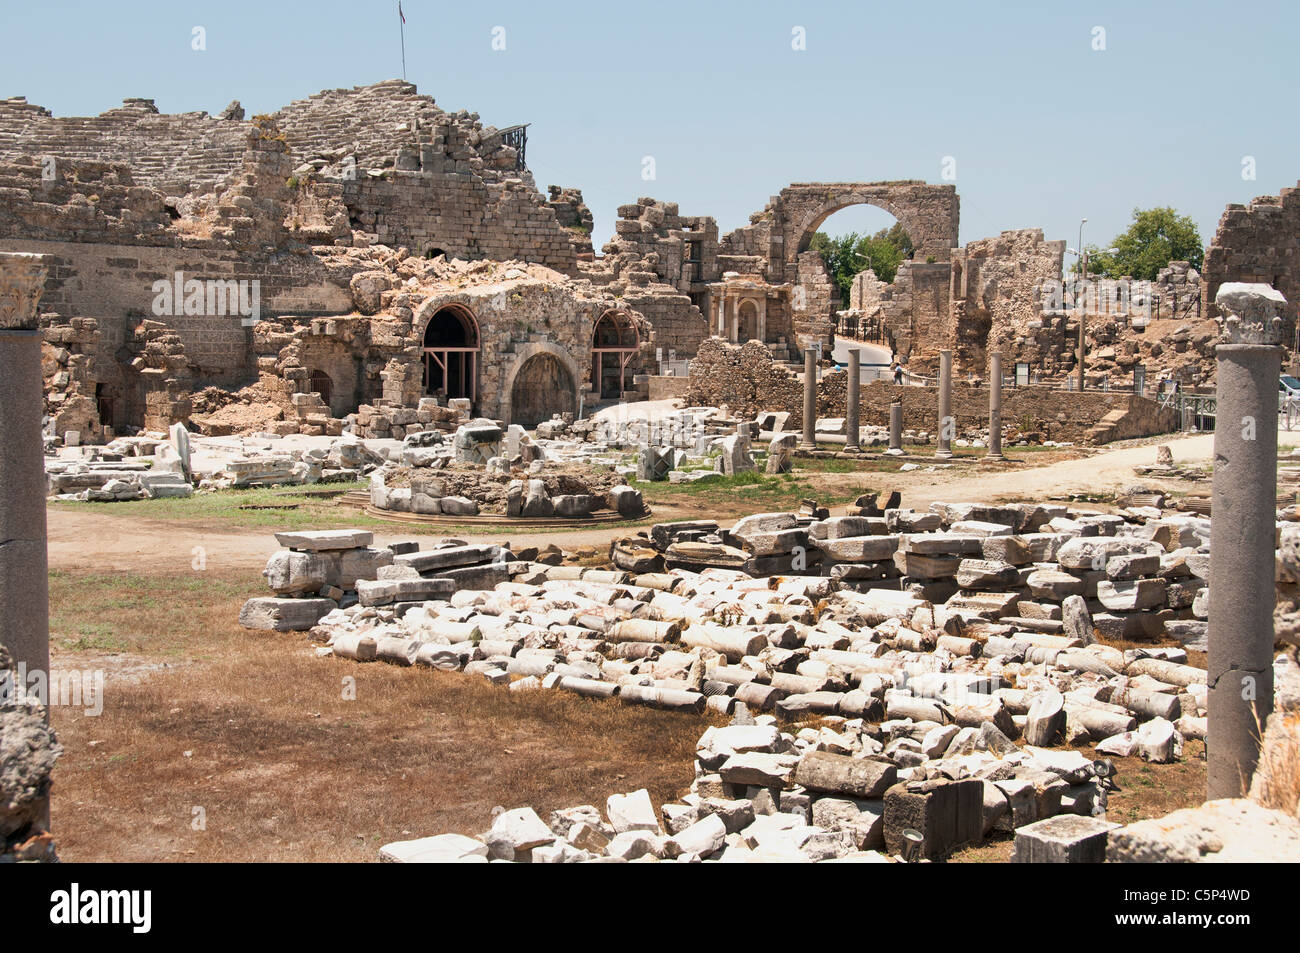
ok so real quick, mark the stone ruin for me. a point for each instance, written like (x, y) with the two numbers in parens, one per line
(329, 266)
(948, 660)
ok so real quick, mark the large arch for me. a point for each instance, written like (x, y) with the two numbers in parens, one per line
(929, 213)
(615, 345)
(542, 381)
(450, 346)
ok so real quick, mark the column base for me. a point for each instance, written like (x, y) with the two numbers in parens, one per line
(995, 457)
(945, 454)
(894, 452)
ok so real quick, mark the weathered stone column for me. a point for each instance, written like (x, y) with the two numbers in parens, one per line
(995, 407)
(853, 425)
(1242, 511)
(946, 425)
(895, 428)
(809, 400)
(24, 581)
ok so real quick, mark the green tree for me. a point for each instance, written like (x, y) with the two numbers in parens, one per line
(845, 256)
(1156, 237)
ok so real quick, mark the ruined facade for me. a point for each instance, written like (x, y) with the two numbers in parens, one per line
(369, 248)
(158, 224)
(1257, 242)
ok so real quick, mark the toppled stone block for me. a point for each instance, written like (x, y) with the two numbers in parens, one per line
(1064, 839)
(319, 541)
(947, 815)
(284, 615)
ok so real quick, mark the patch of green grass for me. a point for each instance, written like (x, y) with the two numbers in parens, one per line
(743, 489)
(294, 507)
(184, 614)
(287, 508)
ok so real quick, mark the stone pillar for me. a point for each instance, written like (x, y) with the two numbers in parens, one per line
(946, 425)
(809, 400)
(895, 428)
(853, 425)
(24, 580)
(995, 407)
(1243, 510)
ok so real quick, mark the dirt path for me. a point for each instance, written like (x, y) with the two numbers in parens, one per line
(95, 539)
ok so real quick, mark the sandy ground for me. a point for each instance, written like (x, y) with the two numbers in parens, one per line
(90, 539)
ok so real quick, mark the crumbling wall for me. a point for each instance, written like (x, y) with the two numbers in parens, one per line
(175, 153)
(996, 292)
(748, 381)
(744, 377)
(1257, 242)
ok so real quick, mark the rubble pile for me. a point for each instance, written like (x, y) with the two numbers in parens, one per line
(925, 682)
(28, 751)
(484, 469)
(970, 628)
(393, 422)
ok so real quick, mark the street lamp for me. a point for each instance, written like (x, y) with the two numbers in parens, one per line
(1078, 299)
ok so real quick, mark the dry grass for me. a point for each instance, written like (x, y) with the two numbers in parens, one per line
(255, 733)
(1277, 780)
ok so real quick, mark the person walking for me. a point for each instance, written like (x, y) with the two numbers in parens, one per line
(898, 372)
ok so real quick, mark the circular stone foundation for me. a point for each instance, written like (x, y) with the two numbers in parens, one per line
(465, 493)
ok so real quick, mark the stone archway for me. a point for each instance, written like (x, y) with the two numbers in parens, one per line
(929, 213)
(449, 353)
(542, 383)
(615, 345)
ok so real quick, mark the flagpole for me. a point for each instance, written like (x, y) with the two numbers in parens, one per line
(402, 21)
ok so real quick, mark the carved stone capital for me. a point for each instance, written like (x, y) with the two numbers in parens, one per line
(22, 280)
(1249, 313)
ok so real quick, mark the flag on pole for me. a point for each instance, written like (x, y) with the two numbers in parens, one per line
(402, 27)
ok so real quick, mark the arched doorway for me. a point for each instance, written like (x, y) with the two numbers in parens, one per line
(320, 383)
(614, 346)
(450, 345)
(543, 387)
(747, 321)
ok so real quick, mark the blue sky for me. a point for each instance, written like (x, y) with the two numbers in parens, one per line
(1044, 129)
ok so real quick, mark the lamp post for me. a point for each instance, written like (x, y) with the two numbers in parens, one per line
(1078, 299)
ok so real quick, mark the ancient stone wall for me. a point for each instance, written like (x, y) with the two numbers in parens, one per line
(176, 154)
(996, 290)
(748, 382)
(1257, 242)
(461, 216)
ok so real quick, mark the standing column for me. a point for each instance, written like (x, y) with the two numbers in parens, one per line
(1242, 512)
(995, 407)
(852, 425)
(809, 400)
(896, 427)
(24, 581)
(946, 426)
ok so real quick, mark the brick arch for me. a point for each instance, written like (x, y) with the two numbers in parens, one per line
(929, 213)
(526, 354)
